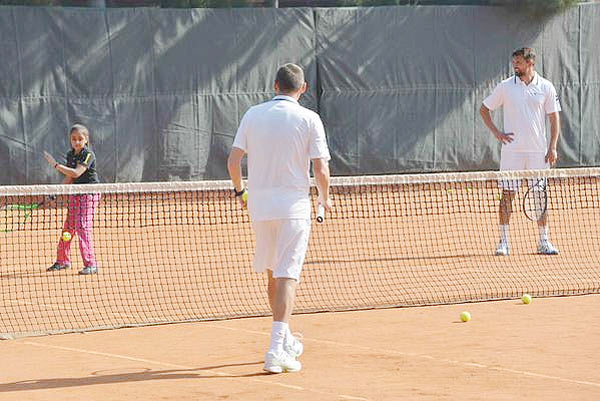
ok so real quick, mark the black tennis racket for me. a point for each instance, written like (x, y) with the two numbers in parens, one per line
(535, 202)
(14, 216)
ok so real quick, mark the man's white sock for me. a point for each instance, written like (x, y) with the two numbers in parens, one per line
(278, 333)
(544, 233)
(504, 229)
(288, 335)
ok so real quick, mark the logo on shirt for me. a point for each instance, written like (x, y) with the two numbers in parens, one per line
(536, 96)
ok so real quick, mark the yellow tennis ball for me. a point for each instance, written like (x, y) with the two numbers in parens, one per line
(245, 196)
(465, 316)
(526, 298)
(66, 236)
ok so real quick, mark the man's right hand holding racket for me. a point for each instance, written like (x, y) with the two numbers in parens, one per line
(322, 206)
(321, 171)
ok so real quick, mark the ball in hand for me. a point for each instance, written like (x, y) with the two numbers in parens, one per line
(465, 316)
(66, 236)
(245, 196)
(526, 298)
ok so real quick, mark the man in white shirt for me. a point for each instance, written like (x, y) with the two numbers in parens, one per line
(527, 98)
(281, 139)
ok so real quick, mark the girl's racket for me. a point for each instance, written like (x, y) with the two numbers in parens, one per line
(14, 216)
(535, 202)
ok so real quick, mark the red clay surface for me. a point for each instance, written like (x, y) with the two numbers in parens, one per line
(164, 261)
(547, 350)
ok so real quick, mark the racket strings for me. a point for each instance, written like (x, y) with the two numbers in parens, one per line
(536, 201)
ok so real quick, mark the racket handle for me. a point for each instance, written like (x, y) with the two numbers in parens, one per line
(320, 213)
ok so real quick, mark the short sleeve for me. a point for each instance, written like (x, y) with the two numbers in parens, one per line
(552, 104)
(241, 136)
(318, 142)
(496, 99)
(88, 159)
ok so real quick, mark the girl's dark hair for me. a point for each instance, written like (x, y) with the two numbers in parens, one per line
(82, 129)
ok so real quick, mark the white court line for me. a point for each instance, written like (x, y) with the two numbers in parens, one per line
(422, 356)
(182, 367)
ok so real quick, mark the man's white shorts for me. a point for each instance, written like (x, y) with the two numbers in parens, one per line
(520, 161)
(281, 246)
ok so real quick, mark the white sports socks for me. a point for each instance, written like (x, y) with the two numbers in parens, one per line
(278, 334)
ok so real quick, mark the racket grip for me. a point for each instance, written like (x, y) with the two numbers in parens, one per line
(320, 213)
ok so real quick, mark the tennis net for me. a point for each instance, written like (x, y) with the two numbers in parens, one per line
(177, 252)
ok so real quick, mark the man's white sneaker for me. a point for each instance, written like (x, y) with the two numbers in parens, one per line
(294, 347)
(281, 363)
(503, 249)
(546, 248)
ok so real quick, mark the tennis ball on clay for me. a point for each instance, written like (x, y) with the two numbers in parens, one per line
(469, 189)
(465, 316)
(245, 196)
(66, 236)
(526, 298)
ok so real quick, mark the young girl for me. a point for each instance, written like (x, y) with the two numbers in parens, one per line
(79, 169)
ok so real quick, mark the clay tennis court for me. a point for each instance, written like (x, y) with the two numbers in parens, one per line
(543, 351)
(186, 257)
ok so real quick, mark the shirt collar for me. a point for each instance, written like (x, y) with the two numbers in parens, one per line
(285, 97)
(85, 149)
(534, 81)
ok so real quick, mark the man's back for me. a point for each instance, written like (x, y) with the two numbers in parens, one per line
(280, 138)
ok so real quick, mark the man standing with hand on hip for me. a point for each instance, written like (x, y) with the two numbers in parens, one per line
(526, 98)
(281, 139)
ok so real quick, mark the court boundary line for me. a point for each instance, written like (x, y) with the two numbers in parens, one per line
(423, 356)
(182, 367)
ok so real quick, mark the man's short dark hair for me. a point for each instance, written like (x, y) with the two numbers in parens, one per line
(290, 77)
(526, 52)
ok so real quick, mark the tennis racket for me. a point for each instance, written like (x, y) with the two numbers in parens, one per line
(320, 213)
(14, 216)
(535, 202)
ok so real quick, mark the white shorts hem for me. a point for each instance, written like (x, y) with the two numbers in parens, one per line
(281, 246)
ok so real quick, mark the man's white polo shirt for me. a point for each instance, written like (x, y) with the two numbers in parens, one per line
(280, 137)
(525, 109)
